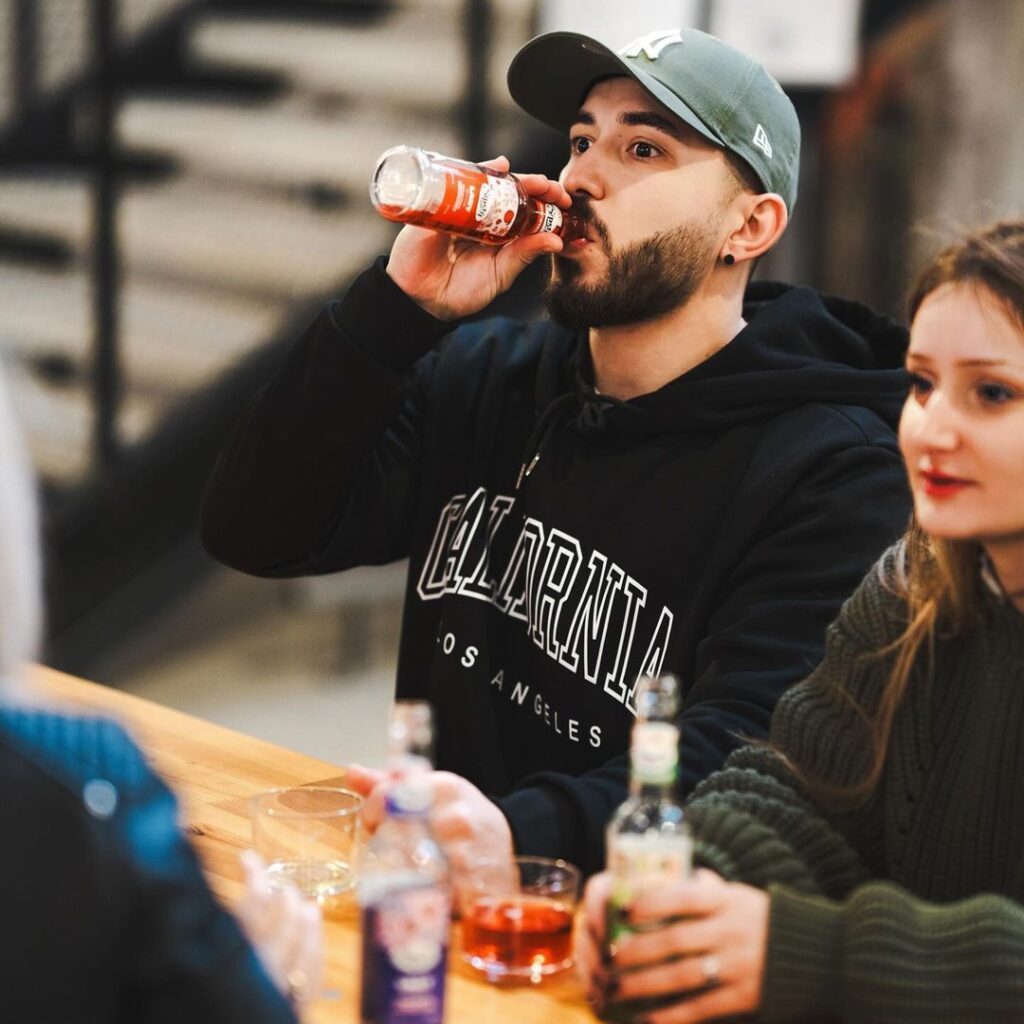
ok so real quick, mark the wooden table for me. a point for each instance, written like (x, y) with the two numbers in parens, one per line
(214, 770)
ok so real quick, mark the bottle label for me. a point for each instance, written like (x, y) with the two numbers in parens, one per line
(655, 752)
(639, 862)
(497, 206)
(405, 953)
(477, 203)
(552, 219)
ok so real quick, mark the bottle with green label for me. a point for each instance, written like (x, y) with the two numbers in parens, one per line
(648, 840)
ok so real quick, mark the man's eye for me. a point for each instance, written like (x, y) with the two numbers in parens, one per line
(919, 385)
(580, 144)
(645, 150)
(994, 394)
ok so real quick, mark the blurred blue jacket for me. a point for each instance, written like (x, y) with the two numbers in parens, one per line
(104, 912)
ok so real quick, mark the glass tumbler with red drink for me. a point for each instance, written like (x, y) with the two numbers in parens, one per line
(517, 917)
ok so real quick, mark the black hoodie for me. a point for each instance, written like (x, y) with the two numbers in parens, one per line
(711, 528)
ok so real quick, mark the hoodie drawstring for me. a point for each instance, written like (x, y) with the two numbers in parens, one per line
(590, 419)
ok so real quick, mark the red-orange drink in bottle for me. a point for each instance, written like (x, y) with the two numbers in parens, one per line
(414, 186)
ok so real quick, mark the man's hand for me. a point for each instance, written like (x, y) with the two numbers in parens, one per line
(469, 827)
(713, 960)
(450, 277)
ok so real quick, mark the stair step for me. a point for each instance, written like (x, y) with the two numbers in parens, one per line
(415, 59)
(137, 17)
(173, 339)
(39, 201)
(57, 423)
(224, 236)
(276, 144)
(64, 33)
(253, 242)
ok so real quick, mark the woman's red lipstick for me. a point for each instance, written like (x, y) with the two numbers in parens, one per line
(941, 485)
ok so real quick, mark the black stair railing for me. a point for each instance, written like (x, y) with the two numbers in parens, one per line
(106, 374)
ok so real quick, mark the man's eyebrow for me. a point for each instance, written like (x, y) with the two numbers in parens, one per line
(646, 118)
(650, 119)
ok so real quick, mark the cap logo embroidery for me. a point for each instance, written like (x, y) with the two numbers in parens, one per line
(761, 141)
(651, 44)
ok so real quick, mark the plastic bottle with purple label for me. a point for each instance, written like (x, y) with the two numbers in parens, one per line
(404, 890)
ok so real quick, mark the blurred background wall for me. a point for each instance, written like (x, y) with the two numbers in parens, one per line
(183, 184)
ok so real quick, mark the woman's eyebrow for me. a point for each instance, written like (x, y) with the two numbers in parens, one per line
(917, 357)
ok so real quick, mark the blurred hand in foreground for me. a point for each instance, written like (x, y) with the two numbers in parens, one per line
(285, 930)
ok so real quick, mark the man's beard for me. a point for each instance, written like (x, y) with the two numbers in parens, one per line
(644, 280)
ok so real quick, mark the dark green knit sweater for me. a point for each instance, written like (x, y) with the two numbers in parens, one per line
(909, 907)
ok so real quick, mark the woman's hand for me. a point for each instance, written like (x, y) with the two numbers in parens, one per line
(717, 954)
(451, 277)
(285, 931)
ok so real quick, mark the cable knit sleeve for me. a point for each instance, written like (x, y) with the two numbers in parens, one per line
(754, 825)
(756, 821)
(843, 944)
(884, 957)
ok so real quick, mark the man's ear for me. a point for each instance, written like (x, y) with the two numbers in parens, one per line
(765, 220)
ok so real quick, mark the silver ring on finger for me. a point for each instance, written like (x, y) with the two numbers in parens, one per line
(711, 970)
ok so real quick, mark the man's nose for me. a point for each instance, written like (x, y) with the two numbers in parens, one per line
(580, 177)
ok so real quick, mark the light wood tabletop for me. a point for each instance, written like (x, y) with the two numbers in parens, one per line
(214, 771)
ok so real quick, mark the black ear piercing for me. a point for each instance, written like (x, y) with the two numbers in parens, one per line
(728, 259)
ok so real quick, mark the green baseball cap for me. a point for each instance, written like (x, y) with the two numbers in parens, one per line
(725, 95)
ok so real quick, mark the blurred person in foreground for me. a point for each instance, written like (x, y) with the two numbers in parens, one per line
(104, 912)
(677, 472)
(884, 818)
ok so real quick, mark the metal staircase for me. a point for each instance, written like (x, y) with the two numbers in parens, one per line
(239, 144)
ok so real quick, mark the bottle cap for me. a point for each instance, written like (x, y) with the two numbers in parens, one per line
(409, 796)
(403, 182)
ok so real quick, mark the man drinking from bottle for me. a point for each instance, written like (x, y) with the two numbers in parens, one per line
(679, 471)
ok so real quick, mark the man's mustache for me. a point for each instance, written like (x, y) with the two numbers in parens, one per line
(583, 208)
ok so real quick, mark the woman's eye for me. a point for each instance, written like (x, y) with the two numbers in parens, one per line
(580, 144)
(994, 394)
(919, 385)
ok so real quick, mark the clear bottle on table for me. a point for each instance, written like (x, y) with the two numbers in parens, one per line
(648, 840)
(404, 890)
(414, 186)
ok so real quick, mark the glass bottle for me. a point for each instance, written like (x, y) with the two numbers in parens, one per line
(648, 840)
(414, 186)
(404, 889)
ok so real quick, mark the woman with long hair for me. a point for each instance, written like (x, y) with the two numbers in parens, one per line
(105, 916)
(868, 863)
